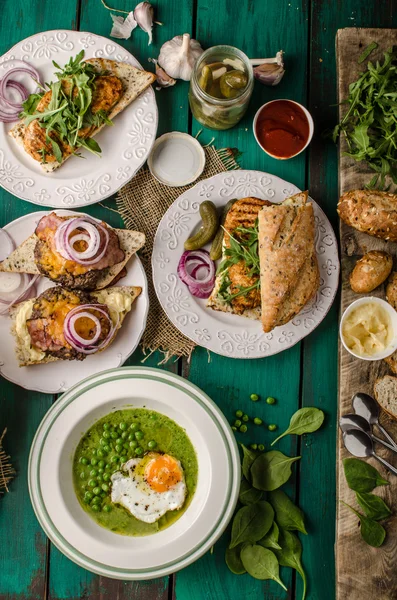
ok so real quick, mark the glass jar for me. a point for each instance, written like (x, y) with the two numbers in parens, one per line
(217, 111)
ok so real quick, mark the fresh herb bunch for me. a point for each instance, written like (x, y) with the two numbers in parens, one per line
(370, 125)
(68, 110)
(243, 247)
(362, 478)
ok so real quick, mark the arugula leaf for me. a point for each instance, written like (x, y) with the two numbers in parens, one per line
(56, 149)
(30, 104)
(367, 51)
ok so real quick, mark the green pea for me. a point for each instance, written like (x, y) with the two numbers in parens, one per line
(139, 435)
(96, 490)
(243, 428)
(130, 437)
(245, 418)
(270, 400)
(124, 435)
(93, 452)
(254, 397)
(239, 414)
(114, 435)
(258, 421)
(100, 478)
(101, 464)
(94, 461)
(105, 487)
(133, 444)
(106, 425)
(101, 469)
(152, 444)
(153, 417)
(261, 447)
(254, 446)
(123, 426)
(92, 483)
(106, 449)
(83, 460)
(108, 467)
(95, 508)
(106, 477)
(134, 426)
(100, 453)
(237, 423)
(118, 447)
(272, 427)
(115, 459)
(93, 473)
(82, 475)
(139, 451)
(107, 508)
(106, 435)
(103, 494)
(119, 440)
(123, 459)
(234, 428)
(89, 495)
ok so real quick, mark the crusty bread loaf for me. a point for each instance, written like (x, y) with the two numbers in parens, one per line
(371, 212)
(370, 271)
(391, 361)
(391, 290)
(385, 390)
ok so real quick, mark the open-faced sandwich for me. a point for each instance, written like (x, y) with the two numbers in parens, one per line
(269, 268)
(87, 95)
(75, 252)
(61, 324)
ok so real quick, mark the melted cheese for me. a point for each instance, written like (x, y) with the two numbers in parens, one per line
(368, 329)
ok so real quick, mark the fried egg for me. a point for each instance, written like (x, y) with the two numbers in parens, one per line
(150, 486)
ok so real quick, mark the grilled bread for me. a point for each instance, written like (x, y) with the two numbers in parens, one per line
(370, 211)
(288, 262)
(385, 391)
(244, 213)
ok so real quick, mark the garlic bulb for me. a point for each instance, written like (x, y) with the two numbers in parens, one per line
(177, 57)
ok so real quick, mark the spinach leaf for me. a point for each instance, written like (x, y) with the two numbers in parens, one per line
(251, 523)
(288, 515)
(305, 420)
(248, 458)
(248, 495)
(372, 532)
(290, 555)
(233, 560)
(361, 476)
(261, 563)
(373, 506)
(271, 470)
(270, 540)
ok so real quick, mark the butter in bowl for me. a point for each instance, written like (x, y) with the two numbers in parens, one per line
(368, 328)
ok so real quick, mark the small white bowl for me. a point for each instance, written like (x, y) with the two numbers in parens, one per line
(176, 159)
(308, 116)
(393, 316)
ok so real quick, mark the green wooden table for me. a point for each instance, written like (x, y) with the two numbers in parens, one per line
(30, 567)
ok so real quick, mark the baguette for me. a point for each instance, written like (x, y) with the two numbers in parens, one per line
(370, 211)
(385, 390)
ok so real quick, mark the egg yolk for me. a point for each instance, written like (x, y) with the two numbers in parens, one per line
(162, 472)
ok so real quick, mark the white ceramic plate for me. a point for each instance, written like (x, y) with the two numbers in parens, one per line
(56, 377)
(71, 529)
(223, 333)
(125, 146)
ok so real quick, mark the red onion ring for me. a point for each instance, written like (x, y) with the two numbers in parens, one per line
(72, 337)
(64, 242)
(23, 92)
(5, 103)
(22, 296)
(190, 264)
(7, 245)
(72, 327)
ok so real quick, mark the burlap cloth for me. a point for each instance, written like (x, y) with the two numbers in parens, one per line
(141, 204)
(6, 470)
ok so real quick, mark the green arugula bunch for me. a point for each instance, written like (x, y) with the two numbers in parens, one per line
(370, 124)
(243, 247)
(69, 109)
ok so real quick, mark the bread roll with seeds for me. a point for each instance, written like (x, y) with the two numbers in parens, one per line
(370, 271)
(370, 211)
(391, 290)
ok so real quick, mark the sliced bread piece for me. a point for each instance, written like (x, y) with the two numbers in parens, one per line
(385, 390)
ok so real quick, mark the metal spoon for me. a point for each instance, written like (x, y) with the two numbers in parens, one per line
(352, 421)
(365, 406)
(359, 444)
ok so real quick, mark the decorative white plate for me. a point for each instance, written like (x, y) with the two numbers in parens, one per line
(223, 333)
(71, 529)
(125, 146)
(56, 377)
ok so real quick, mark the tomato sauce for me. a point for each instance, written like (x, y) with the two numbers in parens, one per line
(282, 128)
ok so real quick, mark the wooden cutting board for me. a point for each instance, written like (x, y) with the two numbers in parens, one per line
(363, 573)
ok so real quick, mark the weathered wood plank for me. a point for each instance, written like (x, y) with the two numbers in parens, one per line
(372, 574)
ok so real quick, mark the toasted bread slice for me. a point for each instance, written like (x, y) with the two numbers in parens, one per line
(22, 260)
(134, 81)
(385, 390)
(20, 313)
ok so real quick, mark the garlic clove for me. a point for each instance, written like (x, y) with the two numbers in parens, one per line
(162, 78)
(177, 56)
(143, 14)
(271, 70)
(122, 28)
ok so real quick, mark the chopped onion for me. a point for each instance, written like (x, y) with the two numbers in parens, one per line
(64, 240)
(14, 287)
(197, 271)
(79, 343)
(9, 110)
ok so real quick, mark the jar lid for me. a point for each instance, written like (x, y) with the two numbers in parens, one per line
(176, 159)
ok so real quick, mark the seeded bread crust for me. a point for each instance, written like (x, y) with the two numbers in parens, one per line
(371, 212)
(385, 390)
